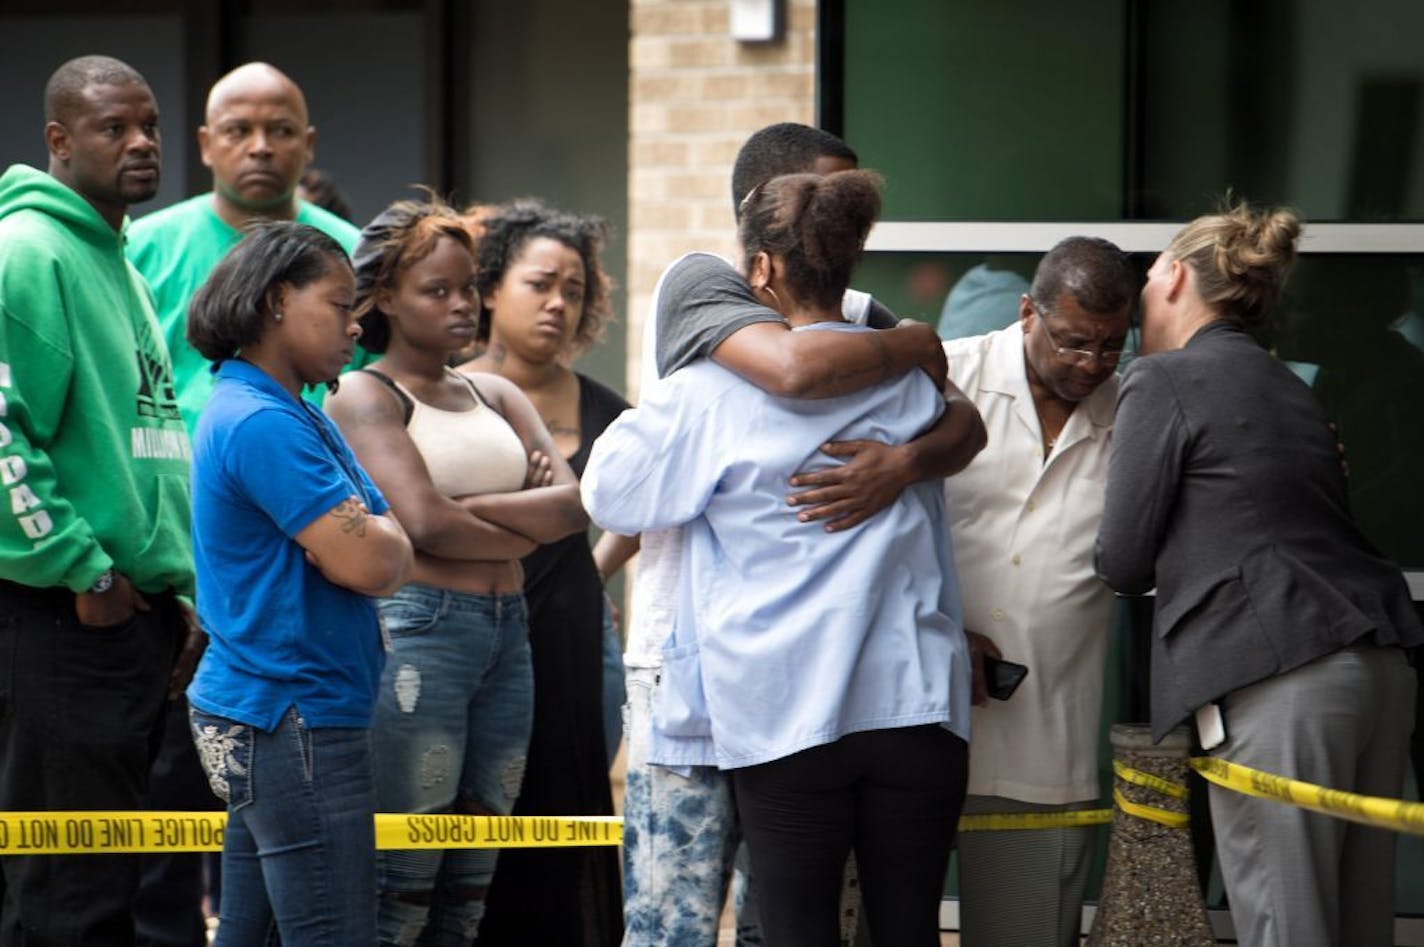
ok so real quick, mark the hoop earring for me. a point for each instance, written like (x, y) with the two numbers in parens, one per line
(768, 289)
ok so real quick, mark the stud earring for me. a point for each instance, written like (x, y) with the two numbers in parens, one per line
(277, 315)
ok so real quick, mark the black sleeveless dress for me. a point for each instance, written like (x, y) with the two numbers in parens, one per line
(569, 897)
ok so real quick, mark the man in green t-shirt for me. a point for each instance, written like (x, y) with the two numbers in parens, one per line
(257, 140)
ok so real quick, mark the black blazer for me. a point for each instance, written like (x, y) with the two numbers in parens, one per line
(1225, 492)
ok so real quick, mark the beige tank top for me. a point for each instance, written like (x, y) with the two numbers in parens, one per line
(468, 452)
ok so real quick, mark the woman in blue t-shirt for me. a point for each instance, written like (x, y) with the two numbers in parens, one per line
(290, 540)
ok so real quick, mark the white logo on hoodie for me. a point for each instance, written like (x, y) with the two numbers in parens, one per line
(36, 525)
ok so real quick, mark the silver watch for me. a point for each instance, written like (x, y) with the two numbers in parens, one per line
(103, 583)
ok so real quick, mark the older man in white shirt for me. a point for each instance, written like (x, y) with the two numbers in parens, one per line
(1024, 515)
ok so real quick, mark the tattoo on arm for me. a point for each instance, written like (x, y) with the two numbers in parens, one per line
(853, 379)
(353, 516)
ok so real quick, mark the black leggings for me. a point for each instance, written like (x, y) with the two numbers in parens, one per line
(892, 795)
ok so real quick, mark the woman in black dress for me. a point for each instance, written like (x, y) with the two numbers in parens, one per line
(545, 300)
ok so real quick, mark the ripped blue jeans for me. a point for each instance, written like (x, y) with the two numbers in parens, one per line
(450, 734)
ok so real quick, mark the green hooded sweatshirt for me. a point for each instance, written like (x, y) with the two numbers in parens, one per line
(93, 455)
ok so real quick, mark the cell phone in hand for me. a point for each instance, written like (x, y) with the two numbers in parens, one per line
(1003, 677)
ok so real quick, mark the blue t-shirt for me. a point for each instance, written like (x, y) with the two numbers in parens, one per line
(266, 466)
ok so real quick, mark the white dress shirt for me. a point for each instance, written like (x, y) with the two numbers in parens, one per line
(1023, 549)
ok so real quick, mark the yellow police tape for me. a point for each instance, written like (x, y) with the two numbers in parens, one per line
(1172, 820)
(62, 833)
(66, 833)
(1078, 818)
(1395, 814)
(1000, 822)
(1148, 781)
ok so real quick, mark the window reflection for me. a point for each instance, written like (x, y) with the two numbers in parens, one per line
(1347, 323)
(1145, 110)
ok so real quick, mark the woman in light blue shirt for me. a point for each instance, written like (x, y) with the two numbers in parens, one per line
(827, 671)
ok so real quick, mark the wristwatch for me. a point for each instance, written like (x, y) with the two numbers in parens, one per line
(103, 583)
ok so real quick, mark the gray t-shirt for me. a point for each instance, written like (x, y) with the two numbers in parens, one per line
(703, 300)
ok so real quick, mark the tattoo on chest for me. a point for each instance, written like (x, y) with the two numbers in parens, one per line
(559, 429)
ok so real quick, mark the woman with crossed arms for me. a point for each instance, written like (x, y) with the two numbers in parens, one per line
(453, 453)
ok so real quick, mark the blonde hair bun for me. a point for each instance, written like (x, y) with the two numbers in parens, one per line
(1241, 257)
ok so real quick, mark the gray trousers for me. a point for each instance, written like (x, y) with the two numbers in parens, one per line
(1022, 887)
(1295, 878)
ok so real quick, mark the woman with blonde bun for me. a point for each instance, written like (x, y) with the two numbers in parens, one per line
(1278, 626)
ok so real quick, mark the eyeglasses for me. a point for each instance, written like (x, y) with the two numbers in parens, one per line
(1076, 356)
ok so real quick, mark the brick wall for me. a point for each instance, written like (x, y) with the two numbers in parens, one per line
(695, 94)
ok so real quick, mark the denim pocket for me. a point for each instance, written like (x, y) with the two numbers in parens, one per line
(409, 612)
(225, 750)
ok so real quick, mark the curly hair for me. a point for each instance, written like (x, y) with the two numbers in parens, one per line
(398, 238)
(510, 228)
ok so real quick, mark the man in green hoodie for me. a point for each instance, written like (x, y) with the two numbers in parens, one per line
(94, 541)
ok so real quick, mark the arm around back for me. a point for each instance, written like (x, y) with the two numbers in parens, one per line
(706, 309)
(825, 364)
(955, 440)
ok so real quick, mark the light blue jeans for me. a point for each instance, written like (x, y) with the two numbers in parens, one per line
(299, 852)
(451, 733)
(680, 844)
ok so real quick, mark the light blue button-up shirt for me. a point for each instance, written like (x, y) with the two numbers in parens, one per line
(787, 637)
